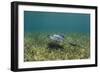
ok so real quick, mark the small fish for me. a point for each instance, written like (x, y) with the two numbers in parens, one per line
(74, 44)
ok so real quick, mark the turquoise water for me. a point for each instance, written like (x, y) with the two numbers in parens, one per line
(35, 21)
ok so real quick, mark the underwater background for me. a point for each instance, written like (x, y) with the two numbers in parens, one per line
(74, 26)
(55, 22)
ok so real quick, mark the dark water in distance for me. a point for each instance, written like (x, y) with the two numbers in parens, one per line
(35, 21)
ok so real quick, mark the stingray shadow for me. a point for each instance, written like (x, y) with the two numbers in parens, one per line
(54, 46)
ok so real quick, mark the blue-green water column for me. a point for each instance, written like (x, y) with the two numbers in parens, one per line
(35, 21)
